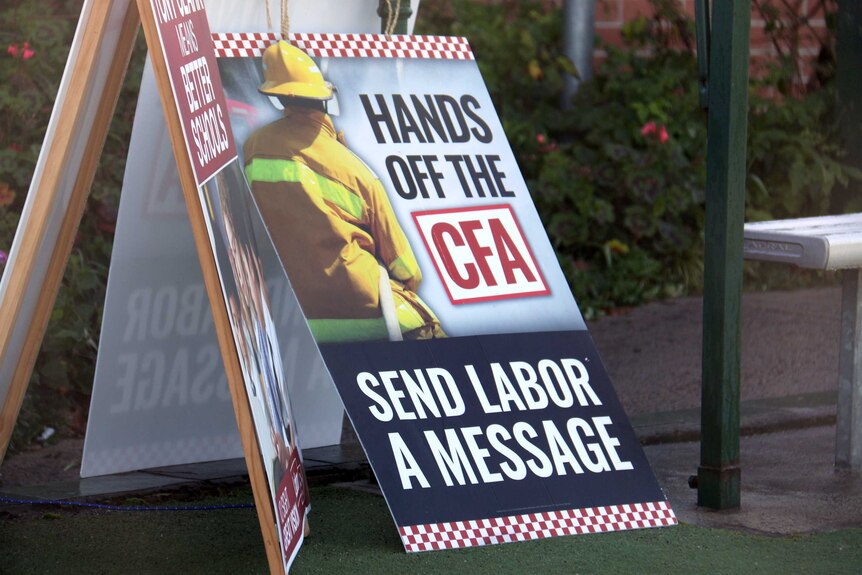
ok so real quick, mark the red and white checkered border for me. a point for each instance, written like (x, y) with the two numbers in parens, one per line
(459, 534)
(248, 45)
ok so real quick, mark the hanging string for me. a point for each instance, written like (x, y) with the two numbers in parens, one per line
(285, 20)
(268, 15)
(392, 17)
(386, 29)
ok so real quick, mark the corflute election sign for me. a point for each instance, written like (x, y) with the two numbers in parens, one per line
(408, 235)
(225, 202)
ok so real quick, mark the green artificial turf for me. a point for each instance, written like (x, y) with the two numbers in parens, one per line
(352, 532)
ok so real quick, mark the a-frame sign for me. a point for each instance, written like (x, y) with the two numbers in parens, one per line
(484, 410)
(82, 113)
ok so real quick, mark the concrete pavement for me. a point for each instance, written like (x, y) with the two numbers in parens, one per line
(789, 347)
(789, 484)
(789, 381)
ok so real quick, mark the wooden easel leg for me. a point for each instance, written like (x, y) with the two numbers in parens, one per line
(245, 423)
(25, 275)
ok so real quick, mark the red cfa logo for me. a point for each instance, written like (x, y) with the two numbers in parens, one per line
(480, 253)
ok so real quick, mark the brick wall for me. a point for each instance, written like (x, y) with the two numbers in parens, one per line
(611, 15)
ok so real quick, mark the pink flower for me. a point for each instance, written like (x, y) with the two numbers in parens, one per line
(659, 131)
(24, 51)
(544, 144)
(648, 128)
(4, 257)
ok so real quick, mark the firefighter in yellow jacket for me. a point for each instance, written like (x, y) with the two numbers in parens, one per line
(344, 252)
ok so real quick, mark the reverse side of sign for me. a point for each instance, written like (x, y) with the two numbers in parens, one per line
(412, 244)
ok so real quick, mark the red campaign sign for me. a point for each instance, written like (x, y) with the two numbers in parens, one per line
(188, 49)
(480, 254)
(292, 506)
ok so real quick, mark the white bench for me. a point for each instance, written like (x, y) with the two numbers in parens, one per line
(827, 243)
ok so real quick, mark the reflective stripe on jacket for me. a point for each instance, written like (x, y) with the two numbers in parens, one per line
(331, 223)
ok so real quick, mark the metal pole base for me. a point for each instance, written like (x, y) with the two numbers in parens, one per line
(718, 488)
(848, 430)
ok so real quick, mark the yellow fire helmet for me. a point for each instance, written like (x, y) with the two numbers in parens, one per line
(288, 71)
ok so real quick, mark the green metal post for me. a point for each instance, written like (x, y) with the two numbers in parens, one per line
(404, 13)
(718, 474)
(848, 57)
(701, 17)
(848, 52)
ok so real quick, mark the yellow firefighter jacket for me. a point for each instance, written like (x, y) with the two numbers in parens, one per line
(332, 226)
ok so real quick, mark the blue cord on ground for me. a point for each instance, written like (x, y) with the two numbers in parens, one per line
(107, 507)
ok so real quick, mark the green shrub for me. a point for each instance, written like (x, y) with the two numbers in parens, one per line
(35, 37)
(619, 179)
(795, 160)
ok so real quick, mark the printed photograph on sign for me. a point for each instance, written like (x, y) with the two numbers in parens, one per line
(413, 246)
(367, 150)
(227, 205)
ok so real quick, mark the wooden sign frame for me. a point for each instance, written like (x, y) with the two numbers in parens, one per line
(25, 273)
(76, 125)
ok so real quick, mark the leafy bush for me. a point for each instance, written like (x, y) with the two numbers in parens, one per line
(795, 161)
(619, 180)
(35, 36)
